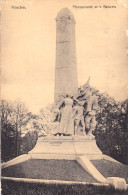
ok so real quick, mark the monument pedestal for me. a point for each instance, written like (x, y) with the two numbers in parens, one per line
(65, 147)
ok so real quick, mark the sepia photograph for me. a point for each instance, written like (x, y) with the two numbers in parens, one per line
(64, 97)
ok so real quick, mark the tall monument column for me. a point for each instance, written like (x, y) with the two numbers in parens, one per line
(66, 81)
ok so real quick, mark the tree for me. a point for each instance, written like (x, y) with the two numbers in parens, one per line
(111, 132)
(14, 117)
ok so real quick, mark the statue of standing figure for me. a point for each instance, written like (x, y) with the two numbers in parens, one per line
(91, 110)
(79, 119)
(90, 103)
(66, 125)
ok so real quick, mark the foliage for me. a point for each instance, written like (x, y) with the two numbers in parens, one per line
(28, 142)
(14, 120)
(8, 141)
(112, 131)
(46, 116)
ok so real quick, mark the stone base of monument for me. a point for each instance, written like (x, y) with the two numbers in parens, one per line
(66, 147)
(83, 150)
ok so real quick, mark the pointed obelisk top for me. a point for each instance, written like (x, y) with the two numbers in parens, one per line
(65, 13)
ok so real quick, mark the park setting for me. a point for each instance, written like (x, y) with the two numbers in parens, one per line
(78, 144)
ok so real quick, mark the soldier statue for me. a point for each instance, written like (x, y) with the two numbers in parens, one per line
(90, 102)
(78, 110)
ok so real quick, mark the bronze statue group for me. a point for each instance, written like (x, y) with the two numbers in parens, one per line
(77, 116)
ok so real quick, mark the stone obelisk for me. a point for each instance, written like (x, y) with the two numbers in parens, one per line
(66, 81)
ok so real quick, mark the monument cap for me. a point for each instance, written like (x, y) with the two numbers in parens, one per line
(65, 13)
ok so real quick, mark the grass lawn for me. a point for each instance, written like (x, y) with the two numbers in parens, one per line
(20, 188)
(111, 169)
(65, 170)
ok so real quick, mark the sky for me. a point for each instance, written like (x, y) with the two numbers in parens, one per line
(28, 48)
